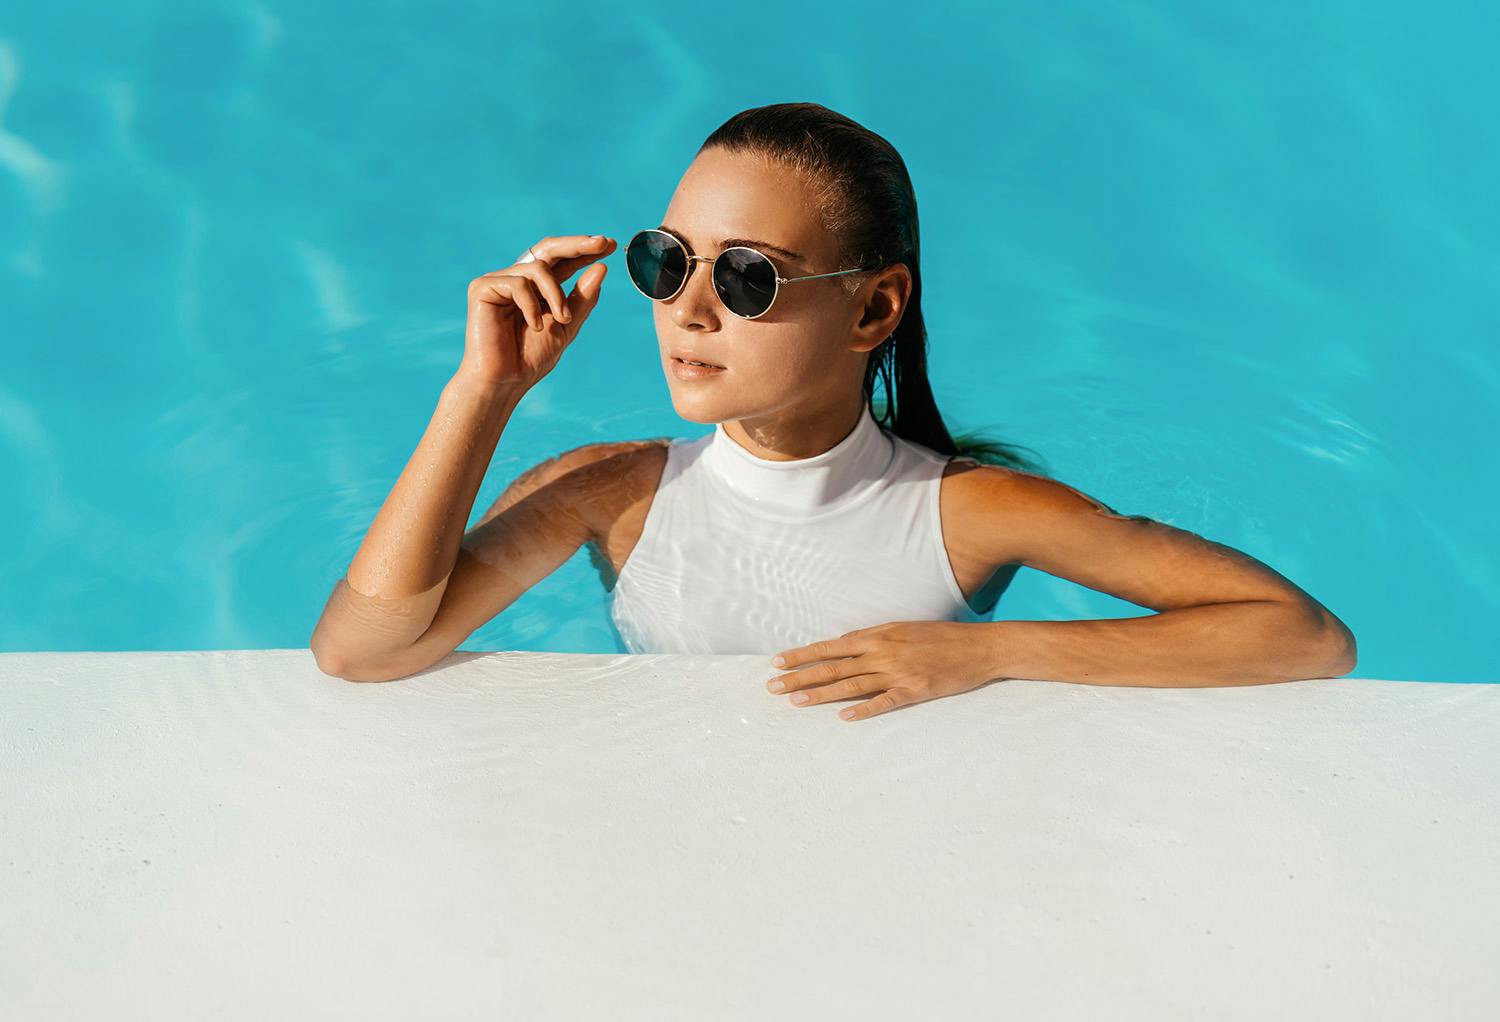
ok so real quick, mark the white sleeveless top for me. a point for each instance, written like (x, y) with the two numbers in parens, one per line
(740, 554)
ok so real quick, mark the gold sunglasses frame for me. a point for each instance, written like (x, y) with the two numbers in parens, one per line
(693, 259)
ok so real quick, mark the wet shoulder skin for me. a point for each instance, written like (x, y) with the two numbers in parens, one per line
(1007, 517)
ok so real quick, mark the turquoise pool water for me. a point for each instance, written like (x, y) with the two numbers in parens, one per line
(1232, 266)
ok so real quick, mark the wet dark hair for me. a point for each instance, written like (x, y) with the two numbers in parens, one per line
(866, 200)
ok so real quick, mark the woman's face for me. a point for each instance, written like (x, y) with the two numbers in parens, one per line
(809, 348)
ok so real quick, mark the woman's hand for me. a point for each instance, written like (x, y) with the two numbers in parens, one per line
(904, 661)
(520, 323)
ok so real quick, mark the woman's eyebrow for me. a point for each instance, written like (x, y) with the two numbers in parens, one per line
(750, 242)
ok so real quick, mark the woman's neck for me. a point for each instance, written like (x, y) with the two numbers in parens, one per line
(851, 464)
(794, 437)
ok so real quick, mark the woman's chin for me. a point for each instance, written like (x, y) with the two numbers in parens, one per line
(691, 404)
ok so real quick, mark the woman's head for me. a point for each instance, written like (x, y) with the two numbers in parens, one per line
(801, 177)
(811, 346)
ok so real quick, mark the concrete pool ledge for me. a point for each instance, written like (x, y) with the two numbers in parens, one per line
(234, 834)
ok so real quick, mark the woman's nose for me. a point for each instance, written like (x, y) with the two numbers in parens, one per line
(697, 301)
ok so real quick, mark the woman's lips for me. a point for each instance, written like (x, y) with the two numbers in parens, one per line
(687, 371)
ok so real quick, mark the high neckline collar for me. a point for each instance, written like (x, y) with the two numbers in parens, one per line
(838, 475)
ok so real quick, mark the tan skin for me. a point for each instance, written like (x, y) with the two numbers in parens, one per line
(792, 389)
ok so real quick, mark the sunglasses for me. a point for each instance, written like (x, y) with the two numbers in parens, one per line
(745, 280)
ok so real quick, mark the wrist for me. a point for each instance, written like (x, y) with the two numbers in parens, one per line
(1000, 649)
(474, 385)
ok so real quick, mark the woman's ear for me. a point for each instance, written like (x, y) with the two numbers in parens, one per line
(884, 304)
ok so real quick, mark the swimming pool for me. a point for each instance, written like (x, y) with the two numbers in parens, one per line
(1231, 269)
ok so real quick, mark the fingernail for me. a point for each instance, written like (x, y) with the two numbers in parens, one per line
(775, 686)
(799, 697)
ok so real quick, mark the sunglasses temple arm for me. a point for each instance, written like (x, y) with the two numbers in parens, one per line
(816, 276)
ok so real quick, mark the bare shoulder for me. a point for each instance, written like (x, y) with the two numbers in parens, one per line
(597, 481)
(1011, 516)
(1018, 517)
(998, 489)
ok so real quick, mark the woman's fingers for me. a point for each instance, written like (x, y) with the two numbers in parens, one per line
(527, 285)
(585, 294)
(565, 254)
(558, 258)
(511, 289)
(541, 275)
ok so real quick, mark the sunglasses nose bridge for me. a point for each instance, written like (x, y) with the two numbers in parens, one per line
(688, 276)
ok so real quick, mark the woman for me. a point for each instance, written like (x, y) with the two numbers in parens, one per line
(785, 281)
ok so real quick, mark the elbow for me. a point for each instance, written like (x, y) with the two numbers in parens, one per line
(330, 661)
(1343, 652)
(335, 666)
(1346, 664)
(330, 664)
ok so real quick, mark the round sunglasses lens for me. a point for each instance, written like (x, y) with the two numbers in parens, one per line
(657, 264)
(745, 280)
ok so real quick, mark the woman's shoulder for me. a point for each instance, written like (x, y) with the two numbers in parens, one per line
(632, 463)
(612, 487)
(989, 491)
(609, 478)
(596, 480)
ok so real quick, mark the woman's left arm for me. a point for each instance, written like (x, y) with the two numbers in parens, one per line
(1222, 617)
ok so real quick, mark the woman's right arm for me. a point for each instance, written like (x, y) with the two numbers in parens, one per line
(519, 324)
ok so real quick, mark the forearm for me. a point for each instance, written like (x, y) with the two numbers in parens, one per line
(1251, 643)
(413, 542)
(396, 580)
